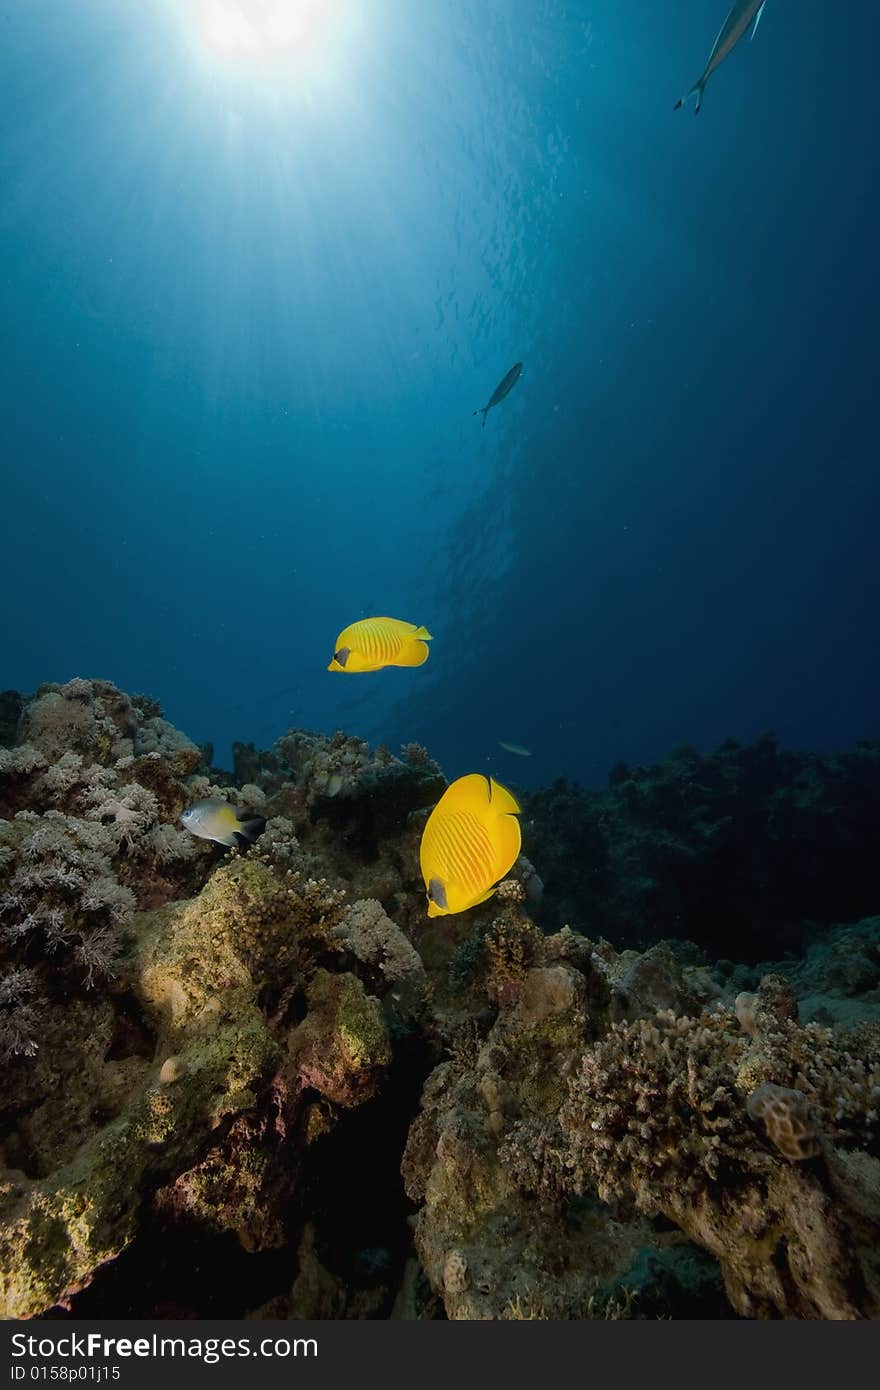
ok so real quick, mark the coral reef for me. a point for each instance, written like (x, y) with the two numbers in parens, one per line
(836, 980)
(738, 851)
(758, 1143)
(178, 1026)
(270, 1060)
(656, 1116)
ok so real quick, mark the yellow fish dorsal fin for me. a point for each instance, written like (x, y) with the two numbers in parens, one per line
(470, 793)
(423, 634)
(503, 800)
(482, 796)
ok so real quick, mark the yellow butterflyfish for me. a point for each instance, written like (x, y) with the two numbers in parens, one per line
(372, 643)
(471, 840)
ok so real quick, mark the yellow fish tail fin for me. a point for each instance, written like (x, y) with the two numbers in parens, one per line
(412, 653)
(503, 801)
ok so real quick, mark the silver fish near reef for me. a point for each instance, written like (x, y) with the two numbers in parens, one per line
(516, 748)
(216, 819)
(732, 30)
(501, 390)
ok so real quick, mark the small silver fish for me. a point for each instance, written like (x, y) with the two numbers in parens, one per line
(216, 819)
(516, 748)
(732, 30)
(501, 390)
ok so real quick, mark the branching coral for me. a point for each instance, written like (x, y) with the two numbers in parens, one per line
(128, 812)
(85, 844)
(649, 1116)
(23, 761)
(91, 718)
(654, 1116)
(19, 1014)
(59, 886)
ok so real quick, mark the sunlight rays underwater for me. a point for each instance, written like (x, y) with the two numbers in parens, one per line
(247, 226)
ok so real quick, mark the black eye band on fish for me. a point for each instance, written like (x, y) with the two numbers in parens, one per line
(437, 892)
(342, 655)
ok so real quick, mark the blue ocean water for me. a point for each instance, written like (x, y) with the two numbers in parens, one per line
(253, 291)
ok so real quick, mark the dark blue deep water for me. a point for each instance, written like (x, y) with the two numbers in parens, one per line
(251, 298)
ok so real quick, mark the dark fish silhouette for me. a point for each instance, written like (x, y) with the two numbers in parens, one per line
(501, 390)
(732, 30)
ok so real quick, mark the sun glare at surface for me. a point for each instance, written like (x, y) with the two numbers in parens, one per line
(267, 31)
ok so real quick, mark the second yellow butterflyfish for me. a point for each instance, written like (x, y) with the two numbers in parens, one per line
(372, 643)
(471, 840)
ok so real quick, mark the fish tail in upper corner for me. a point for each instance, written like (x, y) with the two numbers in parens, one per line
(696, 90)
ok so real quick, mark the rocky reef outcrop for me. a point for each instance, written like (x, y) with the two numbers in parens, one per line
(742, 851)
(271, 1063)
(545, 1151)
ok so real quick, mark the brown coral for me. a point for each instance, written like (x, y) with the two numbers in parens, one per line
(654, 1116)
(787, 1120)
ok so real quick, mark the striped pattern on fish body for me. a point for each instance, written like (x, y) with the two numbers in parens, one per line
(373, 643)
(471, 840)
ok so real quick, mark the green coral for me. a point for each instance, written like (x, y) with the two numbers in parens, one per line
(56, 1231)
(343, 1045)
(188, 976)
